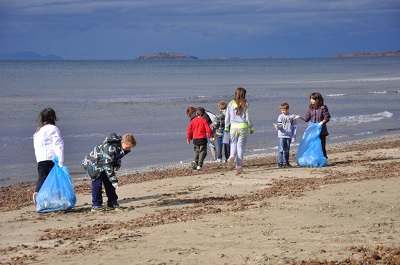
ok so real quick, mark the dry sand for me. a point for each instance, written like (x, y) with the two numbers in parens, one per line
(347, 213)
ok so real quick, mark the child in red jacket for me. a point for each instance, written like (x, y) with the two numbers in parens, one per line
(197, 130)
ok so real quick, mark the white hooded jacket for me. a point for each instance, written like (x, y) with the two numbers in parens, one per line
(48, 143)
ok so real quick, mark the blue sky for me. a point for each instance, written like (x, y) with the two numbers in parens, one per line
(84, 29)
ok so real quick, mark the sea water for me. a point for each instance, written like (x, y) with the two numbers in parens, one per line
(150, 98)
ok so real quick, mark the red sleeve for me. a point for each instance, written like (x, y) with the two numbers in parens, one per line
(189, 132)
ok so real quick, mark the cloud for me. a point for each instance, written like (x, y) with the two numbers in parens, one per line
(174, 23)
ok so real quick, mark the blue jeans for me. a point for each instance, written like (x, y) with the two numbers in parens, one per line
(97, 197)
(220, 147)
(283, 150)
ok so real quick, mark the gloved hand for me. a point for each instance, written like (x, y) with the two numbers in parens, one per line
(60, 164)
(321, 123)
(115, 185)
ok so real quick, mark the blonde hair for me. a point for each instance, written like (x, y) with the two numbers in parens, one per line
(129, 139)
(222, 104)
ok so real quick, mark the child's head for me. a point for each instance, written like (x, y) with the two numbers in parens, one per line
(316, 99)
(128, 141)
(47, 116)
(200, 111)
(284, 107)
(222, 105)
(190, 111)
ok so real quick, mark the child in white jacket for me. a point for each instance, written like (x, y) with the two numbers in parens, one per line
(48, 143)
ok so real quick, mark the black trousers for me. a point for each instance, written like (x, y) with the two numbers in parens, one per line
(44, 168)
(323, 143)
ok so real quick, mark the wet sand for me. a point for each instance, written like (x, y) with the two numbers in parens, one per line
(346, 213)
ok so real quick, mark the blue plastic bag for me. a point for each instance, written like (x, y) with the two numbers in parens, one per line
(310, 152)
(57, 192)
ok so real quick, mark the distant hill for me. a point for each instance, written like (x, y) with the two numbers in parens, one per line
(167, 56)
(363, 54)
(28, 56)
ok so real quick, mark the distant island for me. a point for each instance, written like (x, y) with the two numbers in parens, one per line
(167, 56)
(365, 54)
(28, 56)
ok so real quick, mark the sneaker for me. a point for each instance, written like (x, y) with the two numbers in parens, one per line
(198, 167)
(34, 198)
(218, 160)
(114, 207)
(98, 209)
(238, 171)
(288, 165)
(194, 165)
(231, 163)
(280, 165)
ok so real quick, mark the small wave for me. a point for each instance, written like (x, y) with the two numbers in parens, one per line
(351, 120)
(384, 92)
(336, 95)
(377, 92)
(364, 133)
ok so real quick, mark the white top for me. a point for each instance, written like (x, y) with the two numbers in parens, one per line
(48, 143)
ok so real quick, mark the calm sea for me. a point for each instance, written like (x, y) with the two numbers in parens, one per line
(150, 98)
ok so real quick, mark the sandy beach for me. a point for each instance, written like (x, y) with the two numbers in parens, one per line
(345, 213)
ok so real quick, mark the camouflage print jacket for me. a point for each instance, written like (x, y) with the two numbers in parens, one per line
(219, 123)
(105, 157)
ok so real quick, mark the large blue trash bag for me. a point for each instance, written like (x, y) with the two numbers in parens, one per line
(57, 192)
(309, 153)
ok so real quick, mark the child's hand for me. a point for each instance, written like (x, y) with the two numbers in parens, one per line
(188, 141)
(321, 123)
(277, 126)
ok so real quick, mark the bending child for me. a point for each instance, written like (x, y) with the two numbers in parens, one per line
(101, 163)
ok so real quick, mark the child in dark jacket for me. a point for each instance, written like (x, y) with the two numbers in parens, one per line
(101, 163)
(197, 131)
(318, 112)
(219, 125)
